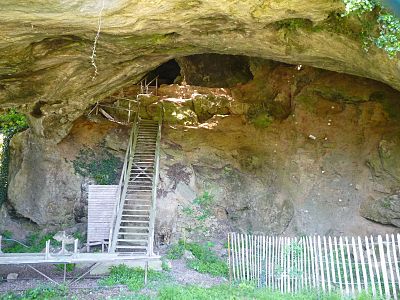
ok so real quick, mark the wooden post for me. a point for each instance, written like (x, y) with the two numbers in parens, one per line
(344, 266)
(392, 279)
(146, 268)
(47, 251)
(332, 261)
(328, 276)
(229, 258)
(335, 242)
(321, 263)
(383, 266)
(350, 266)
(370, 267)
(396, 264)
(353, 243)
(378, 274)
(76, 246)
(364, 272)
(0, 244)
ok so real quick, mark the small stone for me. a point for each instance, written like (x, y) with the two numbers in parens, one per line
(187, 255)
(340, 200)
(322, 171)
(312, 137)
(329, 124)
(358, 187)
(12, 277)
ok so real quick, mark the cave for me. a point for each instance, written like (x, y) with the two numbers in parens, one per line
(267, 119)
(166, 73)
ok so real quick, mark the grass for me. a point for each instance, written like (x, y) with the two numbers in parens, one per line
(133, 278)
(205, 259)
(41, 293)
(241, 291)
(36, 242)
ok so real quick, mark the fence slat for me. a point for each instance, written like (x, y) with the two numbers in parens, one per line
(290, 265)
(349, 264)
(338, 264)
(364, 272)
(395, 258)
(321, 263)
(353, 243)
(247, 259)
(332, 261)
(304, 263)
(383, 266)
(370, 267)
(328, 276)
(243, 258)
(378, 274)
(273, 262)
(346, 283)
(392, 279)
(231, 258)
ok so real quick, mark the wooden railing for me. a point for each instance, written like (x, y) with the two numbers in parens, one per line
(347, 265)
(123, 182)
(147, 87)
(156, 175)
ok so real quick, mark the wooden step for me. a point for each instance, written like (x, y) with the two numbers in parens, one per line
(133, 221)
(134, 227)
(130, 247)
(133, 233)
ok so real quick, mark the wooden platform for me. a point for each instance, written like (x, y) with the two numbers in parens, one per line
(40, 258)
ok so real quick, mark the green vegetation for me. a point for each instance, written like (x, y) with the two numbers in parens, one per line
(11, 122)
(102, 166)
(36, 242)
(205, 259)
(133, 278)
(388, 35)
(40, 293)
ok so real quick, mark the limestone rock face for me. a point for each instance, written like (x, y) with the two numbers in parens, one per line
(45, 64)
(43, 187)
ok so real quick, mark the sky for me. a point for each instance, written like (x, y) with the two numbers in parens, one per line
(394, 5)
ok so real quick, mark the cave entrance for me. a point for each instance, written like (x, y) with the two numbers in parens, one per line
(167, 73)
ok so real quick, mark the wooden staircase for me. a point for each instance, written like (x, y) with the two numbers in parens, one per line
(134, 223)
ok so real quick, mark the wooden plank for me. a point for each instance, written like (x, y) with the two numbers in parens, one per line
(327, 268)
(316, 262)
(270, 240)
(304, 278)
(342, 254)
(349, 265)
(243, 257)
(389, 258)
(321, 263)
(273, 263)
(364, 272)
(312, 262)
(232, 265)
(335, 243)
(358, 281)
(247, 258)
(280, 253)
(370, 267)
(383, 267)
(396, 259)
(332, 261)
(378, 274)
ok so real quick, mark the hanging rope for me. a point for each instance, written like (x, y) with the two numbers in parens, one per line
(93, 56)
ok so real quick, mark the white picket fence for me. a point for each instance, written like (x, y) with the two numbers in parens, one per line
(289, 265)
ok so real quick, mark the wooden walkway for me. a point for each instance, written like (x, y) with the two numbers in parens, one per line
(329, 264)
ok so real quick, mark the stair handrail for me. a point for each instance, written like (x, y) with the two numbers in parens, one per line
(123, 182)
(144, 86)
(156, 173)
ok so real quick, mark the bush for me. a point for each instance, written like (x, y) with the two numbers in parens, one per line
(40, 293)
(176, 251)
